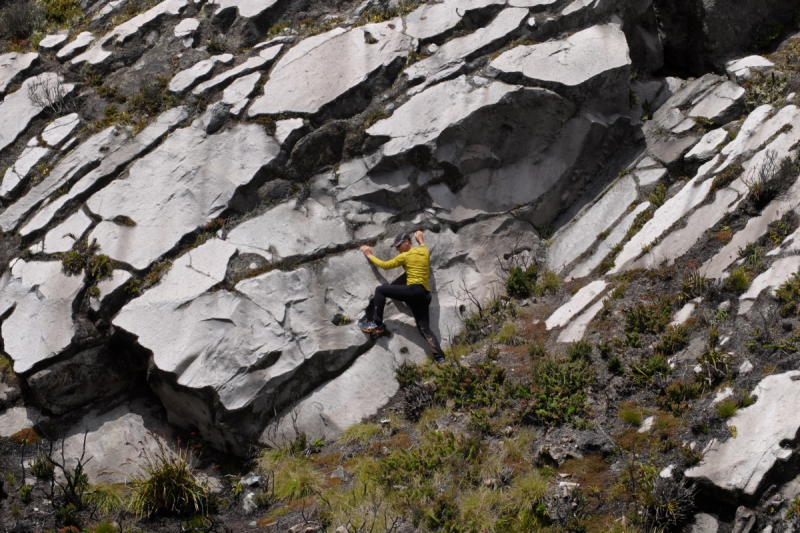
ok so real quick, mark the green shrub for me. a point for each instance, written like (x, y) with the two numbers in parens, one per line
(408, 374)
(694, 284)
(72, 263)
(676, 396)
(104, 527)
(726, 408)
(558, 390)
(520, 282)
(479, 385)
(646, 369)
(537, 350)
(25, 493)
(738, 280)
(62, 12)
(648, 318)
(580, 350)
(727, 176)
(100, 266)
(632, 415)
(673, 339)
(690, 456)
(659, 196)
(639, 222)
(18, 20)
(788, 295)
(548, 283)
(360, 433)
(747, 400)
(615, 365)
(106, 498)
(42, 467)
(166, 483)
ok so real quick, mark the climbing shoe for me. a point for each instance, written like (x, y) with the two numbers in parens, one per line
(372, 327)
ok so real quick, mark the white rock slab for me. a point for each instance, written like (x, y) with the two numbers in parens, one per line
(742, 144)
(740, 465)
(778, 273)
(576, 329)
(107, 9)
(576, 6)
(186, 79)
(113, 148)
(285, 128)
(237, 94)
(57, 132)
(721, 395)
(450, 57)
(53, 42)
(114, 438)
(176, 188)
(647, 424)
(355, 183)
(647, 162)
(570, 62)
(531, 3)
(246, 8)
(109, 285)
(717, 105)
(13, 65)
(740, 70)
(615, 237)
(17, 110)
(360, 391)
(186, 27)
(650, 176)
(576, 304)
(15, 419)
(406, 128)
(708, 146)
(320, 69)
(262, 60)
(755, 228)
(81, 43)
(577, 237)
(692, 194)
(63, 237)
(433, 19)
(291, 230)
(705, 523)
(97, 54)
(29, 159)
(680, 241)
(40, 326)
(685, 312)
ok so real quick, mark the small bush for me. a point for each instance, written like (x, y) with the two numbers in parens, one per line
(558, 390)
(632, 415)
(580, 350)
(726, 408)
(615, 365)
(659, 196)
(62, 12)
(770, 180)
(25, 494)
(676, 396)
(694, 284)
(674, 338)
(727, 176)
(100, 266)
(408, 374)
(19, 19)
(537, 350)
(166, 483)
(648, 318)
(154, 98)
(738, 280)
(42, 467)
(639, 222)
(647, 369)
(106, 498)
(520, 283)
(788, 295)
(548, 283)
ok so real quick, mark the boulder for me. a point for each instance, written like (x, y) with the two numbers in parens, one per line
(708, 146)
(186, 79)
(591, 66)
(321, 69)
(12, 66)
(39, 297)
(701, 35)
(187, 181)
(18, 110)
(741, 70)
(53, 42)
(186, 28)
(245, 8)
(290, 230)
(96, 159)
(258, 62)
(720, 105)
(741, 467)
(451, 57)
(434, 19)
(15, 419)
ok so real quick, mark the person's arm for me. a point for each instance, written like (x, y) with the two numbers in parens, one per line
(400, 260)
(418, 236)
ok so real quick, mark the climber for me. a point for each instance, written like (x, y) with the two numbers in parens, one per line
(415, 291)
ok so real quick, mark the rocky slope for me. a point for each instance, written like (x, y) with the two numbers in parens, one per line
(187, 184)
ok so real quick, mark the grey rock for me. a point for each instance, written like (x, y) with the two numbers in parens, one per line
(12, 66)
(63, 237)
(322, 68)
(705, 523)
(16, 419)
(721, 104)
(246, 8)
(202, 174)
(433, 19)
(217, 114)
(260, 61)
(75, 47)
(53, 42)
(186, 79)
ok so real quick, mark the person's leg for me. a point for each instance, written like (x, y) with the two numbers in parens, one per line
(420, 309)
(395, 292)
(369, 312)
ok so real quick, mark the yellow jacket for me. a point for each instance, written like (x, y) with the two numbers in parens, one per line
(416, 262)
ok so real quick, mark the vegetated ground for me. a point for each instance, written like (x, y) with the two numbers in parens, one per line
(516, 432)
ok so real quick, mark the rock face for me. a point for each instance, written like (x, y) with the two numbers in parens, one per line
(740, 466)
(14, 65)
(703, 34)
(321, 69)
(204, 173)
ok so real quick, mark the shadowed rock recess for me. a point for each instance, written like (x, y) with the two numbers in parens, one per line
(185, 187)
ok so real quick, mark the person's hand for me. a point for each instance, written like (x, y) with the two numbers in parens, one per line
(367, 251)
(418, 236)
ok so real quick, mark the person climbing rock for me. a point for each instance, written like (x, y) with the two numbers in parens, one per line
(411, 288)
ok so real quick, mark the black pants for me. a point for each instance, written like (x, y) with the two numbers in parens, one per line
(417, 298)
